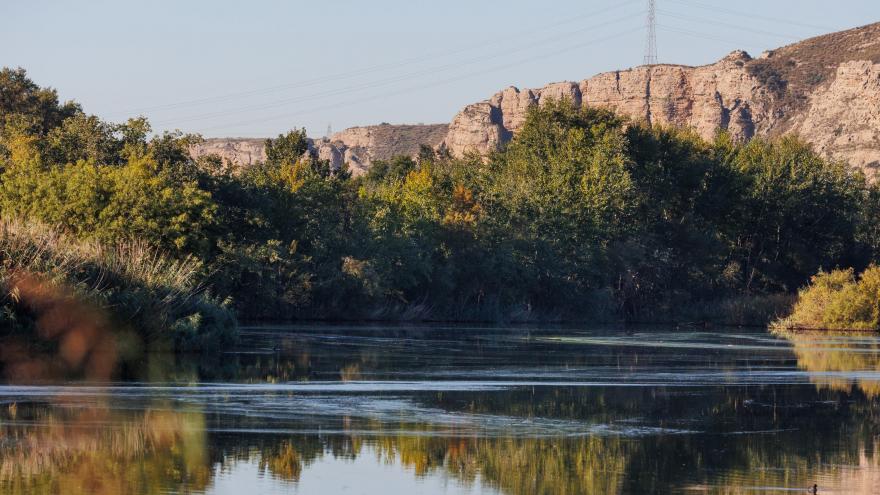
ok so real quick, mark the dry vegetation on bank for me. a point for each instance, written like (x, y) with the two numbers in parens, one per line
(49, 279)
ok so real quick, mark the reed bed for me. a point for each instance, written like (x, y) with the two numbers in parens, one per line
(136, 286)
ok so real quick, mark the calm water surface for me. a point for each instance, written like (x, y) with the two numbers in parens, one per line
(460, 410)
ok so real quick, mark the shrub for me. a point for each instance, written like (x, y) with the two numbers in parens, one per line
(838, 300)
(768, 76)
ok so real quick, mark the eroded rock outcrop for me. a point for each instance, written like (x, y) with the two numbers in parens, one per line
(235, 152)
(360, 146)
(843, 118)
(825, 89)
(719, 96)
(357, 146)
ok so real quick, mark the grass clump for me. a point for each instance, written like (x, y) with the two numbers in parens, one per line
(53, 283)
(837, 300)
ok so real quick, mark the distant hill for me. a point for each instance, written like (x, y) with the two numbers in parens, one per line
(826, 89)
(357, 146)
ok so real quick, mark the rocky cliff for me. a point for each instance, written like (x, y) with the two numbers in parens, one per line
(721, 95)
(357, 146)
(235, 152)
(825, 89)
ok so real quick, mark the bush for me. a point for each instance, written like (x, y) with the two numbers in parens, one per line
(768, 76)
(838, 300)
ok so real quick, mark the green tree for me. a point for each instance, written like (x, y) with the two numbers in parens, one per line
(19, 96)
(799, 214)
(287, 148)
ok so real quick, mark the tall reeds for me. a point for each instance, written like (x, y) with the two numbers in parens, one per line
(136, 286)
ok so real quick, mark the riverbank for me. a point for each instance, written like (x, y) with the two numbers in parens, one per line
(79, 294)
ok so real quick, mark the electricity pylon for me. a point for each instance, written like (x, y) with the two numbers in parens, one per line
(651, 43)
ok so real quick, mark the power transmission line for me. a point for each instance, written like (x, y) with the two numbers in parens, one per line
(390, 80)
(696, 34)
(651, 43)
(377, 68)
(651, 57)
(421, 87)
(702, 20)
(749, 15)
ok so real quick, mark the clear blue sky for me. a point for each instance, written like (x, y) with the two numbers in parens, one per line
(258, 68)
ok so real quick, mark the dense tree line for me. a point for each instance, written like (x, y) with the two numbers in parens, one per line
(583, 214)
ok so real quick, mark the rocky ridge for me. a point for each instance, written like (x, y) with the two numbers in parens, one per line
(357, 146)
(825, 89)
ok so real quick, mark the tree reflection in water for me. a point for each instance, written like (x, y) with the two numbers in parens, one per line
(63, 449)
(95, 450)
(841, 360)
(757, 437)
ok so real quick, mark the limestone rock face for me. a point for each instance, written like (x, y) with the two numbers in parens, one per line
(235, 152)
(719, 96)
(325, 150)
(843, 118)
(476, 129)
(825, 89)
(361, 145)
(357, 146)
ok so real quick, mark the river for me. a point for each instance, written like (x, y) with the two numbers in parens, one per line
(461, 410)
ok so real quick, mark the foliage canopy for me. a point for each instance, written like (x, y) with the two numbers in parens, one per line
(583, 214)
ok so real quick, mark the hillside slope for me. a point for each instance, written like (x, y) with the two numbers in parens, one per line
(825, 89)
